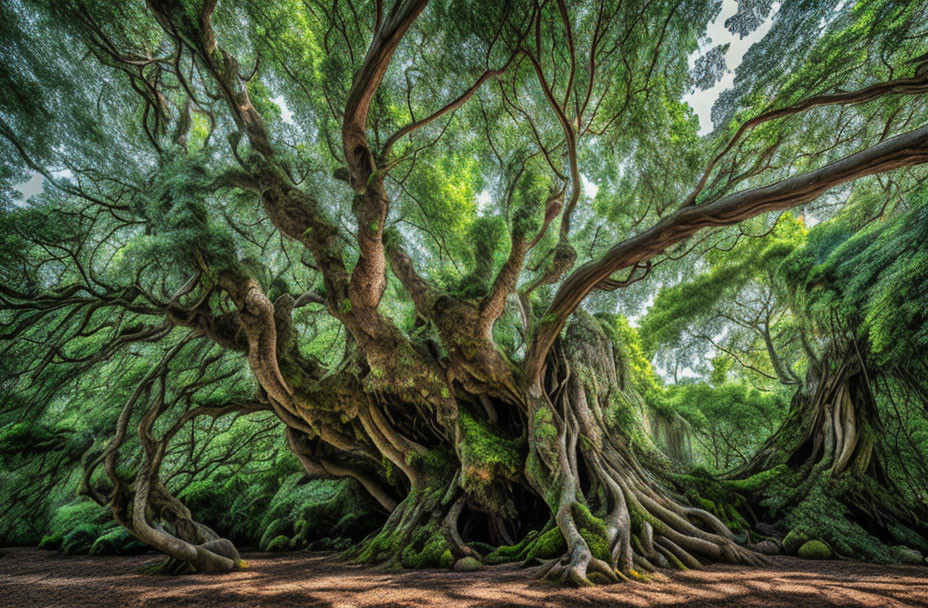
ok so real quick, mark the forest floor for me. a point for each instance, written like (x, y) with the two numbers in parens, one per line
(29, 577)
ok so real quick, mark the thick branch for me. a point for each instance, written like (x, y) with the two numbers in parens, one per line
(294, 212)
(422, 294)
(492, 306)
(905, 150)
(902, 86)
(379, 55)
(368, 279)
(325, 468)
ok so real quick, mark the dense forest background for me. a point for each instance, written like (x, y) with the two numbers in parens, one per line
(428, 282)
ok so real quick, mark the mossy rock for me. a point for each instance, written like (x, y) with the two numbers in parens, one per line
(468, 564)
(793, 541)
(822, 515)
(905, 555)
(225, 548)
(280, 543)
(814, 549)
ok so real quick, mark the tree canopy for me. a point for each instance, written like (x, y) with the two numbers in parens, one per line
(396, 240)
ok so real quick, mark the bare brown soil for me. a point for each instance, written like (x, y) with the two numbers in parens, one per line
(29, 577)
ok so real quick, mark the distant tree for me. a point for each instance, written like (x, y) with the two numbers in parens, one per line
(735, 314)
(846, 463)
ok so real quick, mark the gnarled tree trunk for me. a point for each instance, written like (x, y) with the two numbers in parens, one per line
(575, 448)
(604, 481)
(831, 444)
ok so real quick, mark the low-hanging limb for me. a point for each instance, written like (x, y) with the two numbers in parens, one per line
(905, 150)
(322, 468)
(143, 505)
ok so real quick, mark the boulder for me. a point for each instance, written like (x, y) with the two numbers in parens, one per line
(468, 564)
(223, 547)
(814, 549)
(766, 547)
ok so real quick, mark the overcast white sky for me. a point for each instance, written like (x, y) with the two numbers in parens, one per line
(31, 187)
(701, 101)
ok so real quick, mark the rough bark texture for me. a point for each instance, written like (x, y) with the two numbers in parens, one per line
(446, 432)
(602, 477)
(830, 451)
(581, 451)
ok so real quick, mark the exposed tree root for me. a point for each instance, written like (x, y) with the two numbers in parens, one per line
(421, 532)
(616, 520)
(829, 448)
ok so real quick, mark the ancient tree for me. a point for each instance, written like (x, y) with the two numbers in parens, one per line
(378, 211)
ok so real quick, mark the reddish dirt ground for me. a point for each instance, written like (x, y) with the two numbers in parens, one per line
(29, 577)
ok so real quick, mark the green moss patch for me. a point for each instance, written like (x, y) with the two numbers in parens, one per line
(814, 549)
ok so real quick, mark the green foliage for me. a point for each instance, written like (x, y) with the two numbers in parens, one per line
(728, 423)
(875, 280)
(821, 515)
(260, 509)
(487, 237)
(278, 543)
(165, 192)
(75, 526)
(117, 541)
(637, 373)
(793, 540)
(727, 309)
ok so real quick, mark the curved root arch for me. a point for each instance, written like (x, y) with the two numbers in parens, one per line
(832, 441)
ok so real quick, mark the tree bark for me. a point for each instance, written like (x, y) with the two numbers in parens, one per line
(832, 438)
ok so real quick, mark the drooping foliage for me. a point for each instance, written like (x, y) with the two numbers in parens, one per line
(843, 465)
